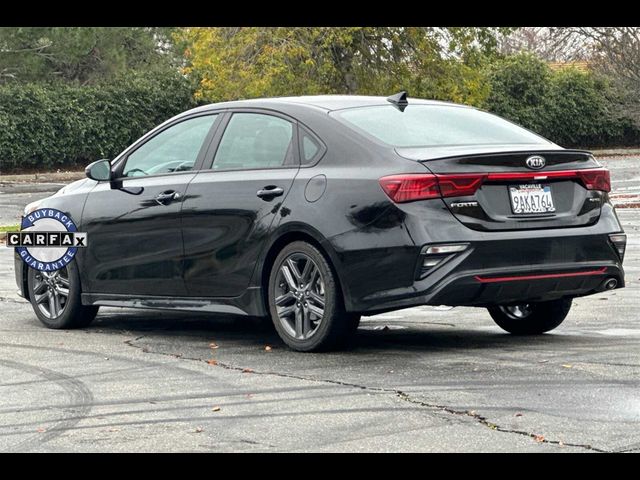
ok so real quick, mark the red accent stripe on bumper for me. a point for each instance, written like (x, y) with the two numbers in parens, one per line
(600, 271)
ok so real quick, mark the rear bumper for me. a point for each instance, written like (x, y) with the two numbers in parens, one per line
(491, 287)
(509, 271)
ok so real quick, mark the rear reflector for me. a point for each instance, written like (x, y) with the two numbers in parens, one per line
(411, 187)
(440, 249)
(543, 276)
(619, 241)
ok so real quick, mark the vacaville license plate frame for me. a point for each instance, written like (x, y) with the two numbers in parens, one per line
(531, 199)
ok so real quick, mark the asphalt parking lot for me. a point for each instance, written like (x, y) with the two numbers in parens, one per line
(430, 379)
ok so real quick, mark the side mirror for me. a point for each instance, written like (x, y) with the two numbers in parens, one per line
(99, 170)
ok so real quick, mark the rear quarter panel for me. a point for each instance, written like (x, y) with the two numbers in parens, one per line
(359, 228)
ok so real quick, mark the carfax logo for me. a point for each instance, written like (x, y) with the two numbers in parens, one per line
(48, 239)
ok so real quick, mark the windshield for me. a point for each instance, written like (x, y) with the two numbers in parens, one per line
(435, 125)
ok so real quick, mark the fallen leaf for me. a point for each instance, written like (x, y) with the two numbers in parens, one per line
(267, 348)
(212, 362)
(566, 365)
(215, 409)
(199, 430)
(41, 430)
(213, 346)
(538, 438)
(247, 370)
(518, 415)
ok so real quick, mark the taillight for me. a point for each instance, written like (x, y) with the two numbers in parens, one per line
(411, 187)
(599, 179)
(407, 188)
(457, 185)
(592, 179)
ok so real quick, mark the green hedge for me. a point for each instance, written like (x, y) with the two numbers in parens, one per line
(571, 107)
(48, 126)
(45, 126)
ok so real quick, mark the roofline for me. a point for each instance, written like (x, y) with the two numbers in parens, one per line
(307, 101)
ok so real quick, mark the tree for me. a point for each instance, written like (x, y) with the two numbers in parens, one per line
(244, 62)
(611, 51)
(80, 54)
(616, 54)
(569, 106)
(553, 44)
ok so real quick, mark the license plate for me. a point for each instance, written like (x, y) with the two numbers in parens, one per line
(531, 198)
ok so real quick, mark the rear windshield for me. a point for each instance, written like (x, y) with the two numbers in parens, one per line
(435, 125)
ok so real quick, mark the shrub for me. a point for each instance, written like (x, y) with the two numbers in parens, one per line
(59, 125)
(570, 107)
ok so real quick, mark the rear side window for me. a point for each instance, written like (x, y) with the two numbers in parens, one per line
(435, 125)
(310, 148)
(255, 140)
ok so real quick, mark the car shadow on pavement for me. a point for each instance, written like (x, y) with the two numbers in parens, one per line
(188, 329)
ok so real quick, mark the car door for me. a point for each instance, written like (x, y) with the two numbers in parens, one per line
(229, 207)
(134, 221)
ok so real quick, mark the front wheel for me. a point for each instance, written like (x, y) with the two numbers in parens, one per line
(531, 318)
(55, 297)
(305, 302)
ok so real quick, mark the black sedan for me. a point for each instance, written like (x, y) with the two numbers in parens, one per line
(317, 210)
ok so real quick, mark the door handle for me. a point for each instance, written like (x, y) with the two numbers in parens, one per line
(270, 191)
(166, 197)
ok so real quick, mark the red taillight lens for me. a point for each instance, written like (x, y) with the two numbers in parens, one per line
(456, 185)
(407, 188)
(599, 179)
(411, 187)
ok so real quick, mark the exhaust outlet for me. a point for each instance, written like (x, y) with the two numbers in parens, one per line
(610, 283)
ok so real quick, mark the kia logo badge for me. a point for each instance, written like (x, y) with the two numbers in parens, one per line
(536, 162)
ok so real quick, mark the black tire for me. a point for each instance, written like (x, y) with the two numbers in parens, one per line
(335, 327)
(532, 318)
(73, 314)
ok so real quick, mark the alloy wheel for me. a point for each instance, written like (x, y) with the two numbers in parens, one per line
(300, 296)
(51, 292)
(517, 312)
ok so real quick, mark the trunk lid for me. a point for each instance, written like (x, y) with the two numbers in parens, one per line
(512, 195)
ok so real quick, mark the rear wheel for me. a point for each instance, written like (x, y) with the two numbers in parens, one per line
(531, 318)
(55, 297)
(305, 302)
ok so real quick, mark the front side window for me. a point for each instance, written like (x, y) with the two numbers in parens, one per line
(435, 125)
(172, 150)
(255, 140)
